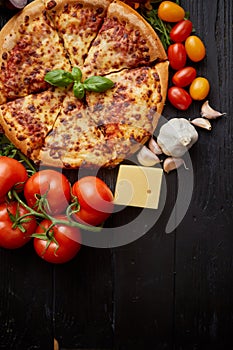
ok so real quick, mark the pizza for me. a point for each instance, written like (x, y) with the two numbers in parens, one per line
(103, 38)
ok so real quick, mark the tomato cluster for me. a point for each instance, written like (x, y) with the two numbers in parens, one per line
(185, 46)
(46, 207)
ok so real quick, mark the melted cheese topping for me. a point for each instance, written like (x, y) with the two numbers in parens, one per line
(78, 25)
(37, 50)
(28, 120)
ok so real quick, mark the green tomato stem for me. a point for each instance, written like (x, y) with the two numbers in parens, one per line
(43, 215)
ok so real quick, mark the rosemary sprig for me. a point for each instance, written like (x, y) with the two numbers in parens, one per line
(162, 28)
(7, 149)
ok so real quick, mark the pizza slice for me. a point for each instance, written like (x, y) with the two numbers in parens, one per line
(137, 98)
(75, 140)
(125, 40)
(29, 48)
(77, 23)
(27, 120)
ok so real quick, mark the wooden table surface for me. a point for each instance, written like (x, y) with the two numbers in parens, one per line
(162, 291)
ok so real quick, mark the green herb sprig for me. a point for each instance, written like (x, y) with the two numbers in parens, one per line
(7, 149)
(162, 28)
(62, 78)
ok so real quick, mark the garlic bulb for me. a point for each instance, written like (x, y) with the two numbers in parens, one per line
(176, 137)
(201, 123)
(208, 112)
(154, 147)
(172, 163)
(146, 157)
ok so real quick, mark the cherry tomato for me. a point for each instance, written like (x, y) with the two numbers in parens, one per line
(50, 184)
(184, 76)
(60, 245)
(181, 31)
(195, 48)
(14, 236)
(12, 174)
(177, 56)
(95, 199)
(170, 12)
(199, 88)
(179, 98)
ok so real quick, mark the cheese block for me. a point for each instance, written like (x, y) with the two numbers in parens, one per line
(138, 186)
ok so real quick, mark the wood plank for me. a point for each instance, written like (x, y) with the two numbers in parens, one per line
(83, 300)
(143, 284)
(204, 241)
(26, 289)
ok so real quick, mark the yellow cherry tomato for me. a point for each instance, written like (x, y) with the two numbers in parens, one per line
(195, 48)
(170, 12)
(199, 88)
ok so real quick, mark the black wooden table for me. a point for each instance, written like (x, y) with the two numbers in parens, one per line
(163, 291)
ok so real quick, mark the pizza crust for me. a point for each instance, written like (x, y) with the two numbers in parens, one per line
(162, 69)
(57, 5)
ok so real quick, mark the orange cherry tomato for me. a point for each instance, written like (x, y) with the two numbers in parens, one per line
(199, 88)
(195, 48)
(170, 12)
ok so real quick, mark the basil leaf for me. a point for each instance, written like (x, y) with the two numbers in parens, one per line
(77, 73)
(78, 90)
(98, 84)
(59, 77)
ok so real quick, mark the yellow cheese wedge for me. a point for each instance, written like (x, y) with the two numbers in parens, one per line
(138, 186)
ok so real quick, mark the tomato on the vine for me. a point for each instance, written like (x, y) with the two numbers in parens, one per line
(50, 185)
(170, 12)
(184, 76)
(60, 244)
(12, 175)
(199, 88)
(179, 98)
(95, 199)
(195, 48)
(15, 231)
(181, 31)
(177, 56)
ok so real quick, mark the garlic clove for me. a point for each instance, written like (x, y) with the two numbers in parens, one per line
(208, 112)
(154, 147)
(202, 123)
(172, 163)
(146, 157)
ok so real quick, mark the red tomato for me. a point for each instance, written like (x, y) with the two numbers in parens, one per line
(184, 76)
(170, 12)
(15, 237)
(181, 31)
(95, 199)
(179, 98)
(12, 174)
(54, 185)
(62, 245)
(2, 199)
(195, 48)
(177, 56)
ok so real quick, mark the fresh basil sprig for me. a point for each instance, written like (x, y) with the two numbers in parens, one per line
(61, 78)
